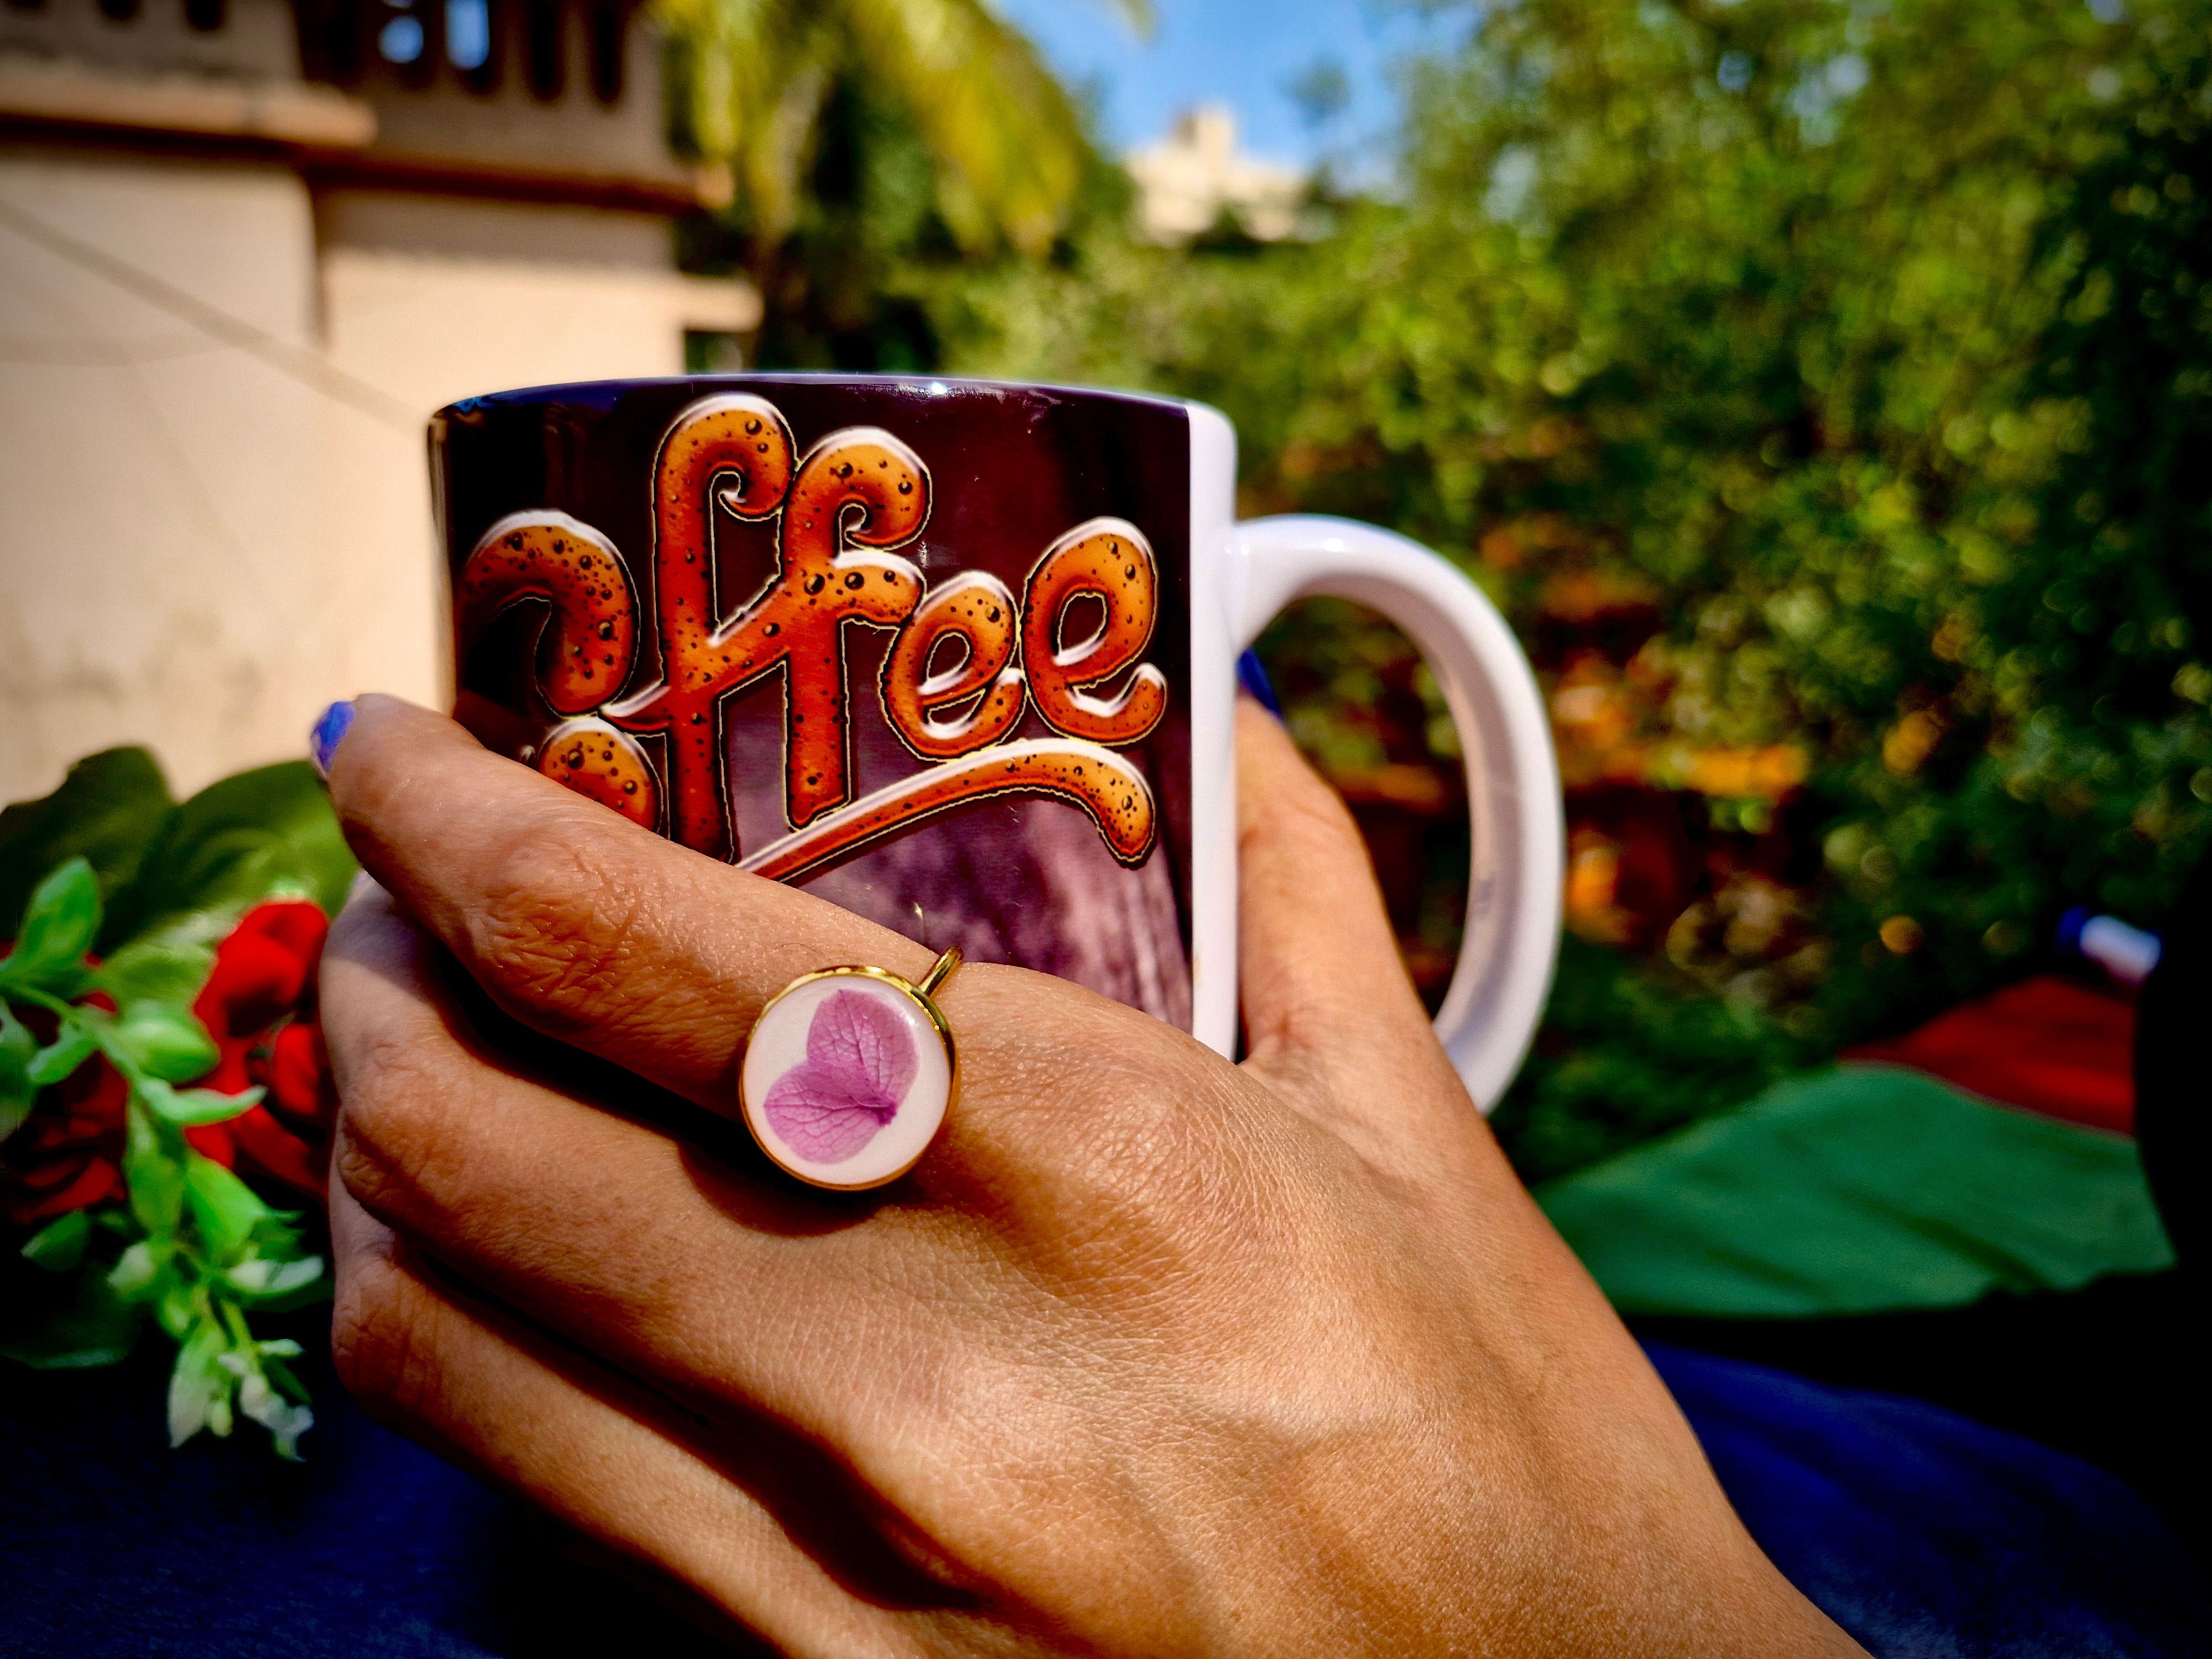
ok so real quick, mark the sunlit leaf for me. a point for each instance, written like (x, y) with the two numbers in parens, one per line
(278, 1285)
(58, 924)
(165, 1042)
(148, 970)
(61, 1056)
(200, 1384)
(263, 833)
(755, 75)
(224, 1209)
(155, 1174)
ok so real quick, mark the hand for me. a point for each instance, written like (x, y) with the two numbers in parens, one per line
(1151, 1354)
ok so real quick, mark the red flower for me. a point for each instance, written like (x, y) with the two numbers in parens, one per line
(258, 1004)
(69, 1153)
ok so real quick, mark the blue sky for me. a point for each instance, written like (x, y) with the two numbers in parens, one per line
(1243, 53)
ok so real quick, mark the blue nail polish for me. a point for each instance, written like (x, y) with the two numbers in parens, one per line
(327, 734)
(1253, 678)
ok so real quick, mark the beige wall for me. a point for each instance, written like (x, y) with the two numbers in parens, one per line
(213, 511)
(162, 546)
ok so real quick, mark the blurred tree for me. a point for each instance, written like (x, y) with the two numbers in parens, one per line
(1321, 92)
(860, 129)
(1824, 389)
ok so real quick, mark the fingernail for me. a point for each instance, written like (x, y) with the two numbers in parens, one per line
(326, 734)
(1253, 678)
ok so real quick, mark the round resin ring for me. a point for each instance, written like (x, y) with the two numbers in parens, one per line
(848, 1074)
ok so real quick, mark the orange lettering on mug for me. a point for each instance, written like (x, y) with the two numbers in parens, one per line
(1109, 563)
(860, 486)
(585, 647)
(857, 495)
(976, 610)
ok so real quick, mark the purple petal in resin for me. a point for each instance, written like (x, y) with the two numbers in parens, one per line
(860, 1059)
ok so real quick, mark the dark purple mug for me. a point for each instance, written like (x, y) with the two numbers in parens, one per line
(956, 656)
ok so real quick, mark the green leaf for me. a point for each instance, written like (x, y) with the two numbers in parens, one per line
(152, 970)
(18, 1094)
(281, 1374)
(190, 1108)
(165, 1042)
(285, 1421)
(224, 1209)
(134, 1271)
(63, 1056)
(1867, 1189)
(176, 1309)
(96, 1328)
(260, 834)
(278, 1286)
(59, 1245)
(58, 925)
(109, 810)
(155, 1174)
(200, 1386)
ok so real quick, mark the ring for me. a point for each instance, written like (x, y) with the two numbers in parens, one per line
(848, 1073)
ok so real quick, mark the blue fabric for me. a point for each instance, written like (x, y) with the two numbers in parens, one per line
(1921, 1533)
(112, 1544)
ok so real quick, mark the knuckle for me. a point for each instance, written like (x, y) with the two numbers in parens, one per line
(370, 1178)
(379, 1327)
(556, 922)
(399, 1109)
(1046, 1131)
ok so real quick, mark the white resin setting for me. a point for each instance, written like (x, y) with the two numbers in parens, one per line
(846, 1079)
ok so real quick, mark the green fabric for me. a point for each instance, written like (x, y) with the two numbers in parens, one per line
(1863, 1190)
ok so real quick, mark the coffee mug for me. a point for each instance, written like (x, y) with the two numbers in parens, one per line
(959, 657)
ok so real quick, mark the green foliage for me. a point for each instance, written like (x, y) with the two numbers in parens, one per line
(1872, 344)
(56, 929)
(89, 1326)
(173, 878)
(59, 1246)
(258, 835)
(108, 811)
(861, 136)
(194, 1247)
(18, 1092)
(756, 80)
(1628, 1052)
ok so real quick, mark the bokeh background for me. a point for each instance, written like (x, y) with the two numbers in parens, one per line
(1822, 387)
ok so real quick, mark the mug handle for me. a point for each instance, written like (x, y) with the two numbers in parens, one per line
(1514, 816)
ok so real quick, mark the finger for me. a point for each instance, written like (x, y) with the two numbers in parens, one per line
(608, 938)
(1328, 1009)
(606, 1459)
(894, 1333)
(576, 921)
(718, 1289)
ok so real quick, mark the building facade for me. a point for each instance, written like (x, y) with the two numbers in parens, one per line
(1195, 179)
(246, 247)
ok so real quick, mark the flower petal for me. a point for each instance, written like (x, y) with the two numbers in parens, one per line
(857, 1029)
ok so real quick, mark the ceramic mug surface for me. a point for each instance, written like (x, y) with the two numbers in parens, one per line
(954, 655)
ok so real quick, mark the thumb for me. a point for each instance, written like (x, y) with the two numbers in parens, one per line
(1330, 1012)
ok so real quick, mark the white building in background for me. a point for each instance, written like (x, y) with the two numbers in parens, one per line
(1193, 176)
(247, 246)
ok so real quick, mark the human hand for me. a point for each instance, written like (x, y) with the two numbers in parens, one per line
(1152, 1354)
